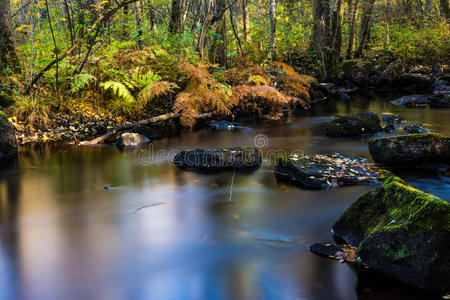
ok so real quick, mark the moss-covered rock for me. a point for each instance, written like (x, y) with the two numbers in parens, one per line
(402, 232)
(355, 125)
(410, 149)
(8, 142)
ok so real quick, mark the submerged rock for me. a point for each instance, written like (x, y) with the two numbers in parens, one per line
(411, 101)
(325, 171)
(415, 128)
(8, 142)
(131, 140)
(393, 119)
(219, 160)
(410, 150)
(221, 125)
(355, 125)
(402, 232)
(439, 101)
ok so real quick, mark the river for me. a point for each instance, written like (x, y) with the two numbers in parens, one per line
(157, 232)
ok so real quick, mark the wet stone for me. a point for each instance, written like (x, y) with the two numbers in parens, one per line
(325, 171)
(219, 160)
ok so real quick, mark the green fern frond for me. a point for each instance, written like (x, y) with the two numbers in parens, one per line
(119, 90)
(145, 79)
(80, 81)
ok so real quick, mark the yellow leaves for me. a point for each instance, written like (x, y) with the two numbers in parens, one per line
(63, 19)
(258, 80)
(24, 26)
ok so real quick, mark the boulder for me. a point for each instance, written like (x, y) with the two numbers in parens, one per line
(411, 101)
(402, 232)
(316, 172)
(409, 150)
(129, 139)
(441, 86)
(219, 160)
(415, 81)
(8, 142)
(439, 101)
(355, 125)
(146, 131)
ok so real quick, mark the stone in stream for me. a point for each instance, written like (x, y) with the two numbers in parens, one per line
(411, 101)
(402, 232)
(219, 160)
(8, 142)
(415, 128)
(325, 171)
(222, 125)
(411, 149)
(393, 119)
(129, 139)
(415, 81)
(355, 125)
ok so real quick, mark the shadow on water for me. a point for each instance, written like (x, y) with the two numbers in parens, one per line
(163, 233)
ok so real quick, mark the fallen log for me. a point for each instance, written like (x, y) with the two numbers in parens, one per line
(124, 127)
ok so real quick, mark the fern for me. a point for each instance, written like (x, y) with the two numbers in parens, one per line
(153, 90)
(80, 81)
(257, 79)
(145, 79)
(120, 91)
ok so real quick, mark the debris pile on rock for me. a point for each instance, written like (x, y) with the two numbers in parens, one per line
(325, 171)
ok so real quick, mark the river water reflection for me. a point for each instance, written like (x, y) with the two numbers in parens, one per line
(162, 233)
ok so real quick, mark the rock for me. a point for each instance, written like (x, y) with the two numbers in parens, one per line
(411, 101)
(441, 86)
(355, 125)
(341, 96)
(415, 128)
(146, 131)
(8, 142)
(409, 150)
(440, 101)
(415, 81)
(389, 127)
(402, 232)
(221, 125)
(131, 140)
(393, 119)
(324, 171)
(219, 160)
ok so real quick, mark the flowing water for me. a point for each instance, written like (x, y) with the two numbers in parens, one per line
(157, 232)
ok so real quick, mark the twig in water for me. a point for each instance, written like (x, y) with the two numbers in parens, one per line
(231, 187)
(149, 205)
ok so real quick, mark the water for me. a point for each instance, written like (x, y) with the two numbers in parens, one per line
(162, 233)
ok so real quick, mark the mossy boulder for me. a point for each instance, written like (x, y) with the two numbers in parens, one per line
(410, 150)
(402, 232)
(8, 142)
(355, 125)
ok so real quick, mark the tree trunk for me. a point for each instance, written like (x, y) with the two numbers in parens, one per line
(335, 39)
(245, 19)
(320, 36)
(140, 42)
(175, 18)
(273, 28)
(351, 29)
(366, 20)
(443, 6)
(8, 56)
(205, 27)
(218, 52)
